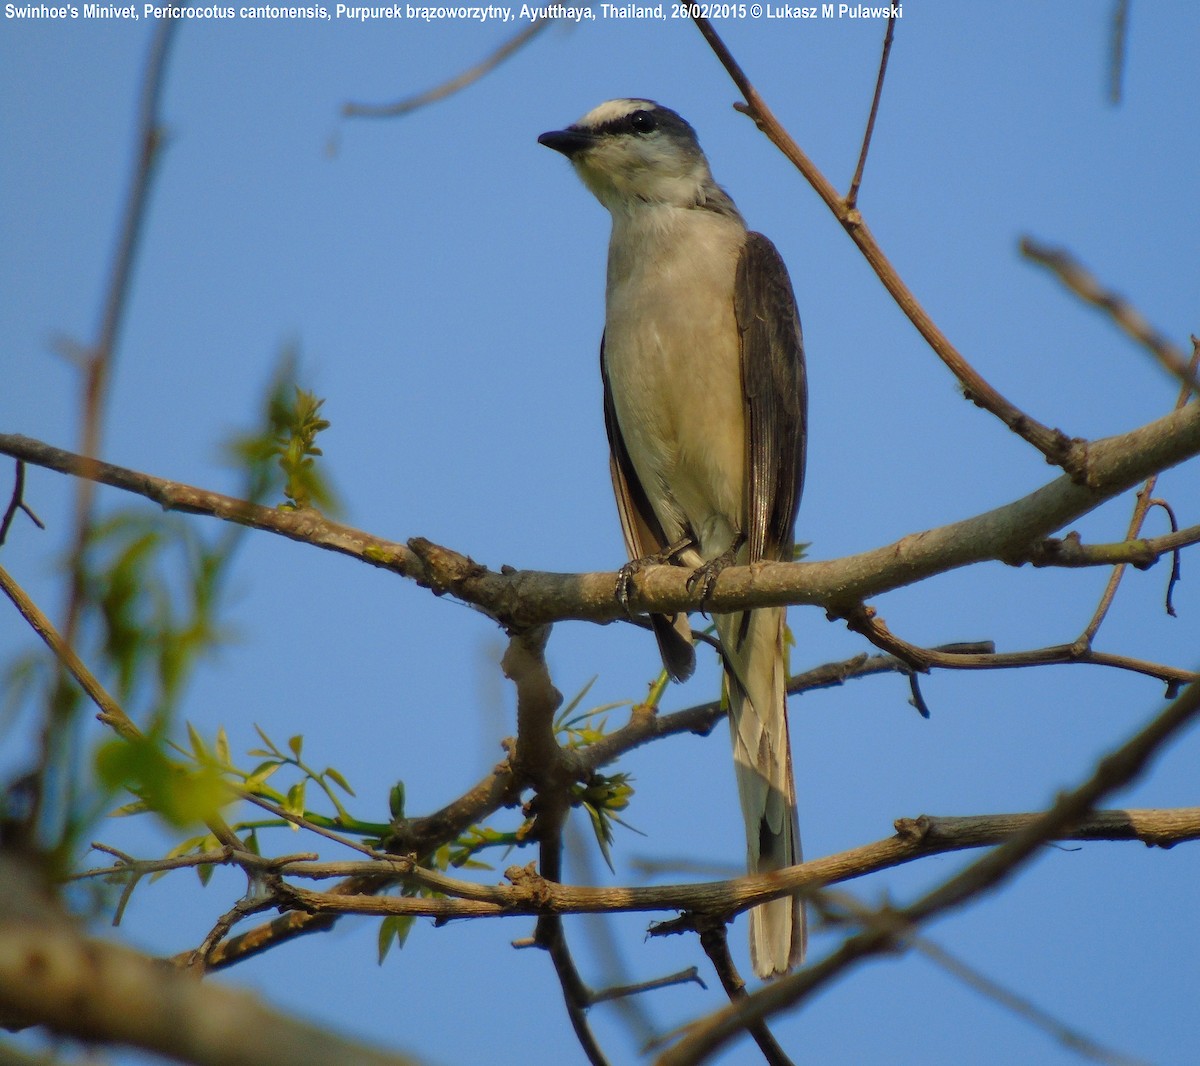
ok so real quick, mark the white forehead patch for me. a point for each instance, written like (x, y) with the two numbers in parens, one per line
(612, 110)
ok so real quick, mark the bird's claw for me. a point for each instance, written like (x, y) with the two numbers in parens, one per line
(626, 574)
(624, 584)
(706, 576)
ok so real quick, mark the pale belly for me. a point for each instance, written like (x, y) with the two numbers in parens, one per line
(673, 364)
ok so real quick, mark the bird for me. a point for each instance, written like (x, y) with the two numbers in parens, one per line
(705, 408)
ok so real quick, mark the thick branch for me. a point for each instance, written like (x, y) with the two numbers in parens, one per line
(78, 986)
(526, 598)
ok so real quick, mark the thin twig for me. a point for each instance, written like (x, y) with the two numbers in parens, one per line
(715, 942)
(111, 712)
(1021, 1006)
(684, 977)
(1115, 770)
(1117, 44)
(852, 196)
(97, 371)
(1135, 527)
(1056, 446)
(843, 908)
(452, 85)
(1085, 285)
(17, 503)
(864, 620)
(1176, 558)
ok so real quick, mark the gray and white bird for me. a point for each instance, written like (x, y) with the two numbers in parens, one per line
(705, 407)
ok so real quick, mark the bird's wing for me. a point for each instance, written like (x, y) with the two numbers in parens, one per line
(644, 536)
(776, 395)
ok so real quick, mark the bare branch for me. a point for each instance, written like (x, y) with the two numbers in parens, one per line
(551, 770)
(1141, 553)
(841, 908)
(17, 503)
(864, 620)
(1052, 443)
(111, 712)
(1073, 275)
(526, 598)
(78, 986)
(684, 977)
(1022, 1007)
(915, 838)
(98, 359)
(1114, 770)
(716, 946)
(453, 85)
(1141, 508)
(852, 196)
(1117, 44)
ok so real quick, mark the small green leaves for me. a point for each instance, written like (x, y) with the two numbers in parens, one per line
(183, 795)
(295, 428)
(601, 797)
(286, 444)
(394, 929)
(396, 800)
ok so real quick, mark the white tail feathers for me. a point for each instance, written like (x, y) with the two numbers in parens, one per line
(756, 679)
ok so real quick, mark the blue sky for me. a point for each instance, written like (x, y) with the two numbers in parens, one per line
(442, 277)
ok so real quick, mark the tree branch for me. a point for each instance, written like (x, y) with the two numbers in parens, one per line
(527, 598)
(452, 85)
(852, 196)
(1126, 317)
(1052, 443)
(915, 838)
(78, 986)
(893, 925)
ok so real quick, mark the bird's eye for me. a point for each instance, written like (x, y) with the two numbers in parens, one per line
(643, 122)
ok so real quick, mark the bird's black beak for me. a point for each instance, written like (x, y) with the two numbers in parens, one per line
(569, 141)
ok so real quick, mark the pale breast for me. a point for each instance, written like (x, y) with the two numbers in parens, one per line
(672, 355)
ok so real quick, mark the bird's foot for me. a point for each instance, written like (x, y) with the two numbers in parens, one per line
(626, 574)
(706, 576)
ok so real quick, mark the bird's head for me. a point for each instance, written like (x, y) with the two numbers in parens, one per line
(633, 152)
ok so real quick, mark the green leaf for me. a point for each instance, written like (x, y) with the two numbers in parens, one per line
(222, 748)
(396, 800)
(336, 777)
(296, 744)
(197, 742)
(258, 776)
(273, 748)
(394, 929)
(294, 803)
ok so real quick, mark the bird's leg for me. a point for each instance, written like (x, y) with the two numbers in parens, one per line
(667, 555)
(706, 576)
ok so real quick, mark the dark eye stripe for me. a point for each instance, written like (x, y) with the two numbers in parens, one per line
(636, 122)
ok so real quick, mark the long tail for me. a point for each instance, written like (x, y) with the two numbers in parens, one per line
(756, 677)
